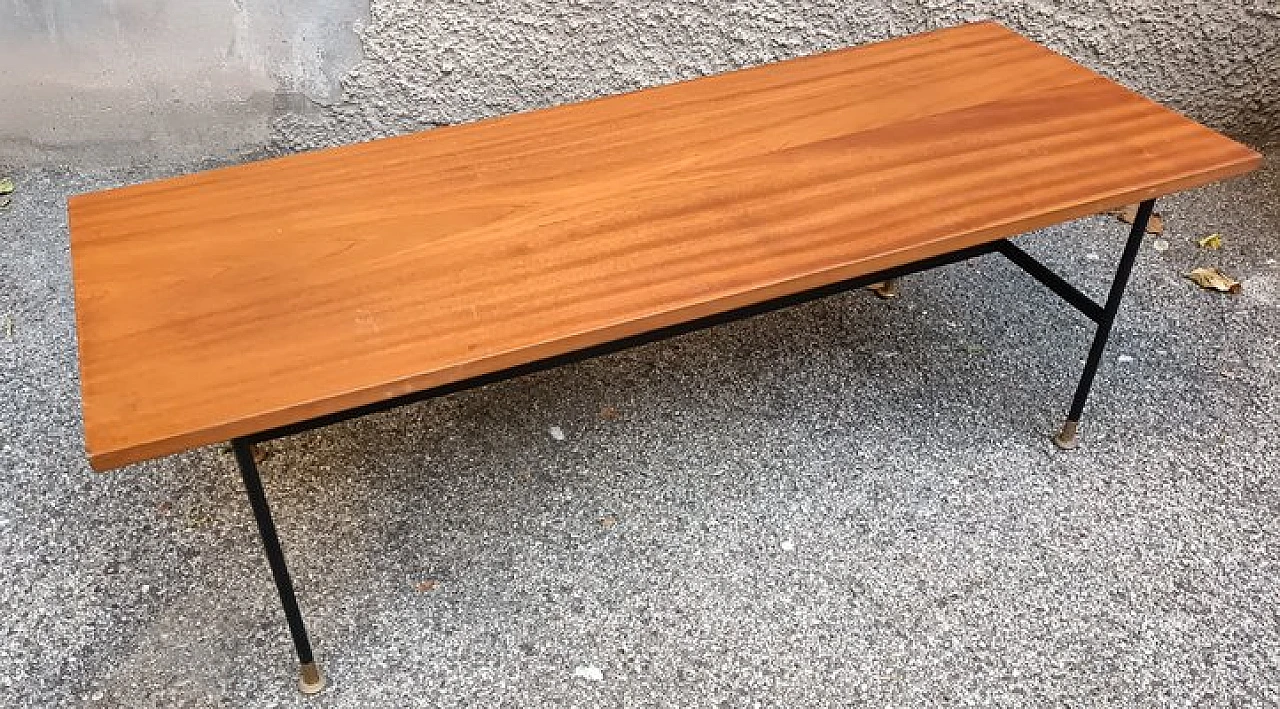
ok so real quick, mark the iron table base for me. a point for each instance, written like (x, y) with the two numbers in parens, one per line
(311, 680)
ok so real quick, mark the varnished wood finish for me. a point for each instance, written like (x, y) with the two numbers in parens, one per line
(226, 302)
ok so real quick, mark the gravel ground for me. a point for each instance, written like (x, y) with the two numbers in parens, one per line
(849, 501)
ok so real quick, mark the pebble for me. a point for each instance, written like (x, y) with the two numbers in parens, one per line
(588, 672)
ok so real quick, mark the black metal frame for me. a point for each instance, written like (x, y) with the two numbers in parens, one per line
(310, 679)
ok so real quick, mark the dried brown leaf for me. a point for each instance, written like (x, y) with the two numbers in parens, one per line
(427, 585)
(7, 186)
(1155, 225)
(609, 413)
(608, 521)
(1213, 279)
(885, 289)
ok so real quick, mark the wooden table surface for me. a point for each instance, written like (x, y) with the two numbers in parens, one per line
(227, 302)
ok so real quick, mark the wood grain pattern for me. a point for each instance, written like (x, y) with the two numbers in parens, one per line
(227, 302)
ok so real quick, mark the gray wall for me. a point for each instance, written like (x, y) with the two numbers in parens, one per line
(112, 81)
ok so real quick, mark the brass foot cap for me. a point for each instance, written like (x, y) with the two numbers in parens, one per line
(1066, 438)
(310, 680)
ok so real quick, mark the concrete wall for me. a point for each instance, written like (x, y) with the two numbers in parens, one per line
(109, 81)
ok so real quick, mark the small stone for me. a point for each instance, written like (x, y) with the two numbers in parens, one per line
(788, 545)
(1124, 358)
(588, 672)
(1160, 245)
(1092, 256)
(556, 433)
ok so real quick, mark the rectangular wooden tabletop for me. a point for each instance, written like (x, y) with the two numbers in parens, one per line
(232, 301)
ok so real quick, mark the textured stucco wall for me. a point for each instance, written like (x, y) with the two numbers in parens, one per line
(132, 80)
(437, 61)
(100, 78)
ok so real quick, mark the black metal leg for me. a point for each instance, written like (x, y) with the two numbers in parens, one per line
(1066, 438)
(310, 680)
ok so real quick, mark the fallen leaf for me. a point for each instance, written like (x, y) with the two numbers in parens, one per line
(1155, 225)
(609, 413)
(1212, 241)
(885, 289)
(8, 326)
(426, 586)
(1213, 279)
(7, 186)
(608, 521)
